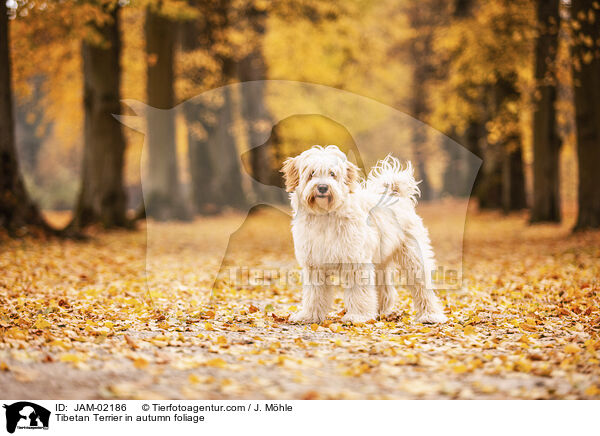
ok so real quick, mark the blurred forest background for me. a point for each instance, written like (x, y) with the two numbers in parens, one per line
(516, 82)
(139, 314)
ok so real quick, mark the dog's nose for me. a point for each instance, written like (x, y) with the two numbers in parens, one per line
(322, 188)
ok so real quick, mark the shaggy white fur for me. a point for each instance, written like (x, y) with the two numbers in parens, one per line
(361, 231)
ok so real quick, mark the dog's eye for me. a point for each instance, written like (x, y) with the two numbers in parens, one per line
(332, 174)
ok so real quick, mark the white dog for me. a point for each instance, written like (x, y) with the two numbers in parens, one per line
(363, 230)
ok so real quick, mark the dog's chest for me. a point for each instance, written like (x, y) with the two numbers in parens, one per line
(325, 240)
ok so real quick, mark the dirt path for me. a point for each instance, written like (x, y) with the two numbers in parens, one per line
(77, 320)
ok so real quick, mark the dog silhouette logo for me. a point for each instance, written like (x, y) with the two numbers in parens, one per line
(26, 415)
(224, 176)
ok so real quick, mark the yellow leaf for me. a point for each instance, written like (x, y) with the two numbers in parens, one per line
(62, 344)
(460, 368)
(572, 349)
(140, 362)
(41, 323)
(523, 365)
(216, 363)
(16, 333)
(194, 379)
(476, 363)
(72, 358)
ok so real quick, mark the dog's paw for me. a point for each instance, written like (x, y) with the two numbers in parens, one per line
(305, 318)
(432, 318)
(390, 315)
(356, 318)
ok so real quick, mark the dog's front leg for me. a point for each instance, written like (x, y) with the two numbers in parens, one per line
(317, 298)
(360, 297)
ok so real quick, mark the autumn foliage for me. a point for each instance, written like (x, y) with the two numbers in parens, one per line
(525, 325)
(515, 83)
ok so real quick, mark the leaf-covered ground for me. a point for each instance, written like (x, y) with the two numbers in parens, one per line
(77, 320)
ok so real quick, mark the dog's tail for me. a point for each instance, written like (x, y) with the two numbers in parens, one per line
(390, 177)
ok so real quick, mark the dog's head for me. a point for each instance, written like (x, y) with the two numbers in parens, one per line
(320, 178)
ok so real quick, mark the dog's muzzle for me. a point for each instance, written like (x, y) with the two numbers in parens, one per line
(322, 189)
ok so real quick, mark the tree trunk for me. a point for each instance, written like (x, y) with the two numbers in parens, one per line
(586, 84)
(163, 196)
(423, 21)
(214, 157)
(508, 172)
(457, 180)
(546, 141)
(17, 212)
(254, 109)
(419, 131)
(419, 139)
(225, 158)
(513, 177)
(257, 118)
(489, 186)
(197, 111)
(462, 8)
(201, 169)
(102, 197)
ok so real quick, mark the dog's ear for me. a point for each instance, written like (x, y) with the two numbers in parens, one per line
(352, 173)
(290, 174)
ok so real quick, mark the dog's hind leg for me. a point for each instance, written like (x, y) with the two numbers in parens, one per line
(427, 305)
(417, 263)
(386, 292)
